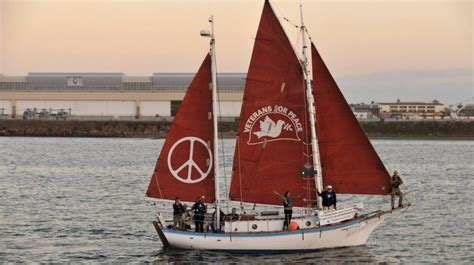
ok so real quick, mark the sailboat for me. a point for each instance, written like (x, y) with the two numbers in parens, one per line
(296, 131)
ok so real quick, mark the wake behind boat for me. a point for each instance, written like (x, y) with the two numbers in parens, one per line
(296, 132)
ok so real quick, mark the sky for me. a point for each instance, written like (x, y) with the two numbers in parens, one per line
(376, 50)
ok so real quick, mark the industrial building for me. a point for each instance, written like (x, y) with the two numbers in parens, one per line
(110, 95)
(411, 109)
(92, 96)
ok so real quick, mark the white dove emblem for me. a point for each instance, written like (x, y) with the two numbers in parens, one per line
(269, 128)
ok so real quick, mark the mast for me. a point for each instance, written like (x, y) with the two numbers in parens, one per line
(267, 156)
(214, 117)
(311, 112)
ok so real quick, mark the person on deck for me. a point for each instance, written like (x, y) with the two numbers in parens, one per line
(287, 207)
(178, 211)
(233, 216)
(221, 217)
(199, 211)
(396, 181)
(329, 198)
(187, 217)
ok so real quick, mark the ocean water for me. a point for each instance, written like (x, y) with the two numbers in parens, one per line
(82, 200)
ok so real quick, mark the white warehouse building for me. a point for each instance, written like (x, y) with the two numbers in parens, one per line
(110, 95)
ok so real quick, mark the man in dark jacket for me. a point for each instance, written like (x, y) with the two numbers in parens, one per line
(396, 181)
(329, 198)
(178, 211)
(199, 209)
(213, 223)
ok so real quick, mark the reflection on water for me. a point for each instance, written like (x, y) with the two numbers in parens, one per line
(82, 199)
(351, 254)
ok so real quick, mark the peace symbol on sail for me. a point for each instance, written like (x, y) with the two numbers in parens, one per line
(190, 164)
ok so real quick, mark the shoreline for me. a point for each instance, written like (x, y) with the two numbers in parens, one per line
(411, 138)
(427, 130)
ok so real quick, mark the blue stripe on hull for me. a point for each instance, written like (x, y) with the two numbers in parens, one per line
(272, 251)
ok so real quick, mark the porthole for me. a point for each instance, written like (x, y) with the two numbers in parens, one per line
(308, 223)
(254, 226)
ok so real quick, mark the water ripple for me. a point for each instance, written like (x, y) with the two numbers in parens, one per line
(76, 200)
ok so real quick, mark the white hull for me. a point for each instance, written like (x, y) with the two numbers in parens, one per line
(351, 233)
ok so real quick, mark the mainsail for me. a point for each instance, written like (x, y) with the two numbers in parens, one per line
(272, 143)
(349, 162)
(185, 167)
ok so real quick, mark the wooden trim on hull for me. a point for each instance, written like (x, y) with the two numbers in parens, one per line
(162, 236)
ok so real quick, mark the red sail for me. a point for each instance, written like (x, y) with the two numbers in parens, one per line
(349, 162)
(185, 166)
(272, 146)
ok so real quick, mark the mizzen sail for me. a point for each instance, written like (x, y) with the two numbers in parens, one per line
(348, 159)
(185, 167)
(272, 144)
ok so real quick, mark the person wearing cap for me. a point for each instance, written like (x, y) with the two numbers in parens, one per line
(396, 181)
(199, 211)
(178, 211)
(329, 198)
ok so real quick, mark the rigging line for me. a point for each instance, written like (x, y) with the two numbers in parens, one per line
(290, 22)
(221, 134)
(309, 35)
(306, 147)
(285, 31)
(283, 16)
(298, 39)
(305, 116)
(240, 172)
(157, 184)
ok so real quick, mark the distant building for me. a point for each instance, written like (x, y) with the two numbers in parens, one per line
(467, 110)
(365, 111)
(411, 109)
(110, 95)
(117, 96)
